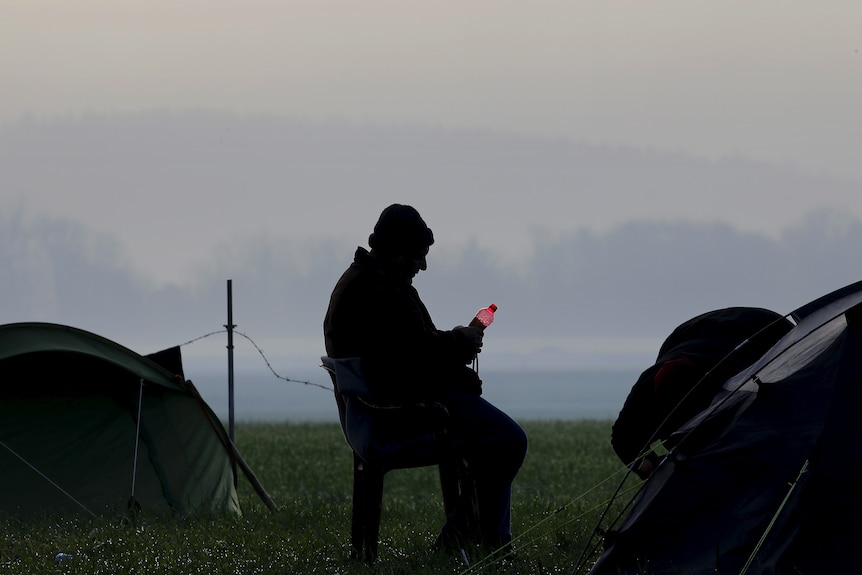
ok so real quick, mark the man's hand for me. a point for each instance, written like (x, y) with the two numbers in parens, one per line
(473, 336)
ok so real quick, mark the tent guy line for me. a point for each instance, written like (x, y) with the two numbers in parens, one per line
(46, 478)
(137, 440)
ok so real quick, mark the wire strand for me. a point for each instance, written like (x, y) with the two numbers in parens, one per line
(262, 355)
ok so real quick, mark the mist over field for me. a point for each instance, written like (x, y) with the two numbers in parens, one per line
(130, 226)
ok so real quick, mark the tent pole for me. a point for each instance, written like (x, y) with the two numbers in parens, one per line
(252, 478)
(230, 327)
(137, 440)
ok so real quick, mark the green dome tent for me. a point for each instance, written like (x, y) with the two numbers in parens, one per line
(89, 425)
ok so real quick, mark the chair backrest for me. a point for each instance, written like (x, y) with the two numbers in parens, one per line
(347, 375)
(392, 436)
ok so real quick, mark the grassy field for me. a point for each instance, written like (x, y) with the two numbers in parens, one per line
(569, 473)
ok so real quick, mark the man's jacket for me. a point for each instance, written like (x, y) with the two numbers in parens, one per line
(378, 316)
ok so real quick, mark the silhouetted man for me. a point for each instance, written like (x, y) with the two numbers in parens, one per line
(376, 314)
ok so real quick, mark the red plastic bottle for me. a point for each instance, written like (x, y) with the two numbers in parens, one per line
(484, 317)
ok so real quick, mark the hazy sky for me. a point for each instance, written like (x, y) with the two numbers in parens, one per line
(775, 82)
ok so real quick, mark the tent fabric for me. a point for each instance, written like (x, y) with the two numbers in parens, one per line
(766, 479)
(71, 436)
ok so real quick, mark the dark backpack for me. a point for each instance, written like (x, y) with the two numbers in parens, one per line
(692, 364)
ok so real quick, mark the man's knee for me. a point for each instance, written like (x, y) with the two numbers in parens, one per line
(518, 444)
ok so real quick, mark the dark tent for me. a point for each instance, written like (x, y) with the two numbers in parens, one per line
(89, 425)
(767, 478)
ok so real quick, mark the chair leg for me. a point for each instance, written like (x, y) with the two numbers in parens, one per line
(357, 521)
(450, 486)
(367, 503)
(459, 496)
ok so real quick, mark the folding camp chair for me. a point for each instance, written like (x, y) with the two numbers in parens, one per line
(385, 437)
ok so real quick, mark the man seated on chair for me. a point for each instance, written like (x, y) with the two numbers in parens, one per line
(376, 314)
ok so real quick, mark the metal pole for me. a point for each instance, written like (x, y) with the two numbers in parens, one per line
(230, 327)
